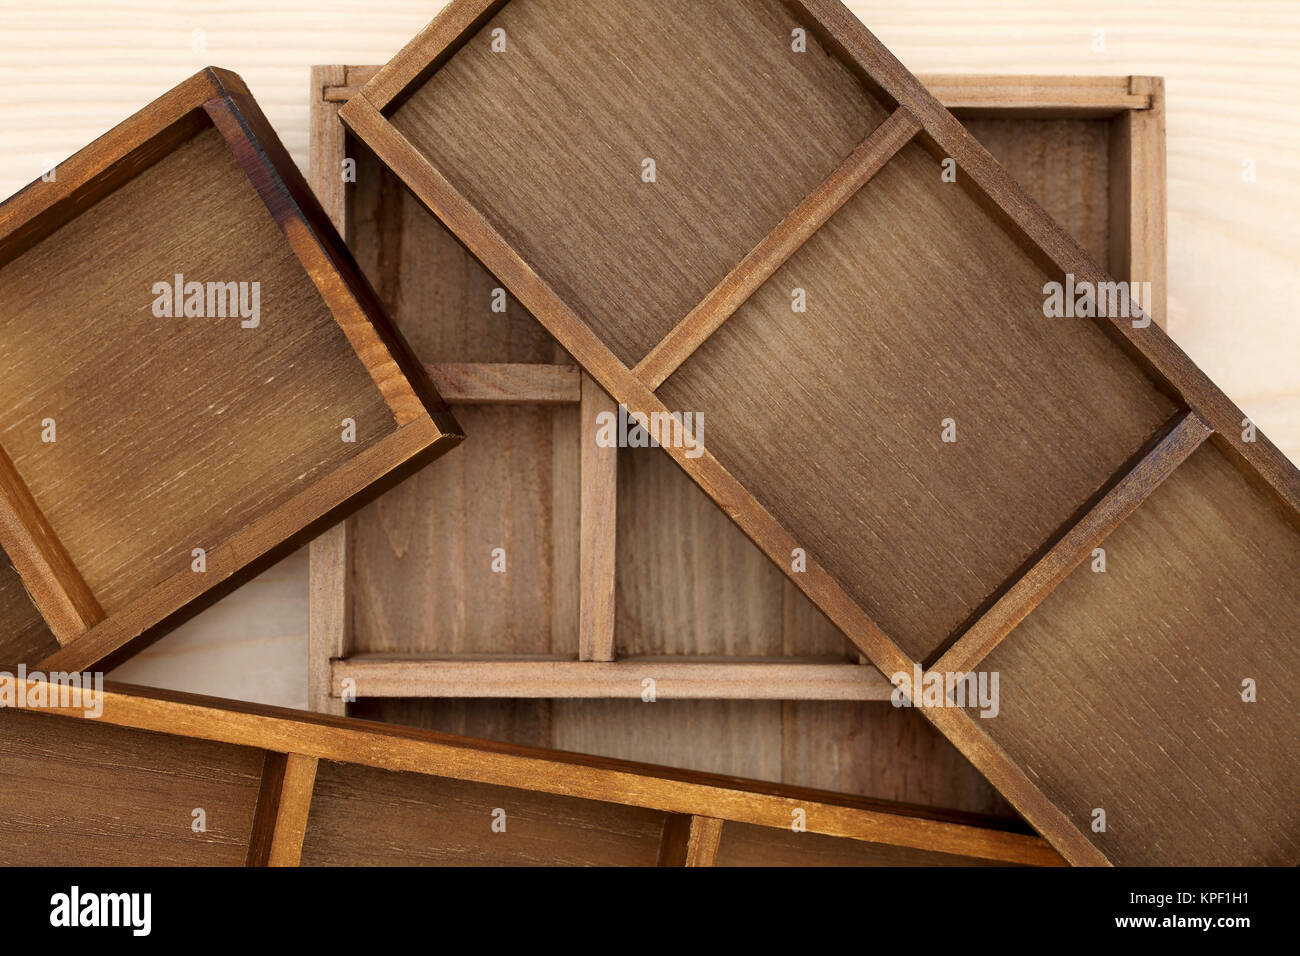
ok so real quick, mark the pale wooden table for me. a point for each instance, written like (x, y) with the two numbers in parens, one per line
(71, 70)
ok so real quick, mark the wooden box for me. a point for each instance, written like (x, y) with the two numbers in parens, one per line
(750, 678)
(916, 406)
(185, 780)
(194, 378)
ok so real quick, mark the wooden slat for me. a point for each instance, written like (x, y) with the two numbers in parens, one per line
(599, 521)
(674, 679)
(611, 781)
(1045, 95)
(1137, 196)
(329, 627)
(283, 804)
(1075, 546)
(485, 383)
(56, 587)
(689, 841)
(328, 145)
(779, 245)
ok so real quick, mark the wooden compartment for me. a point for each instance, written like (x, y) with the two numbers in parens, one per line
(124, 779)
(1198, 596)
(906, 334)
(151, 460)
(365, 817)
(829, 429)
(691, 591)
(92, 794)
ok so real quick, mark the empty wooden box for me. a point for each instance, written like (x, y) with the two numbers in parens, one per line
(194, 377)
(175, 779)
(926, 403)
(408, 608)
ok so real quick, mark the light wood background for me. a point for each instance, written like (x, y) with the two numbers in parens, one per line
(71, 70)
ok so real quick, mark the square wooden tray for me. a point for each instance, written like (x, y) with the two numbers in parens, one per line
(750, 678)
(151, 461)
(666, 231)
(280, 787)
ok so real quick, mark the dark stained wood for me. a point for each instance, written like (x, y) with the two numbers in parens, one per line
(768, 256)
(156, 413)
(514, 490)
(1076, 545)
(689, 840)
(82, 793)
(1054, 414)
(365, 817)
(25, 635)
(1198, 595)
(283, 802)
(732, 173)
(624, 790)
(689, 581)
(920, 532)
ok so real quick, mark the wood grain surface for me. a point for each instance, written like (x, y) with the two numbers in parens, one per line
(920, 531)
(87, 791)
(985, 257)
(241, 450)
(553, 142)
(283, 758)
(1232, 72)
(1209, 779)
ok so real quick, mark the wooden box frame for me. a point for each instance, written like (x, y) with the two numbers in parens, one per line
(258, 772)
(1123, 119)
(1164, 400)
(213, 122)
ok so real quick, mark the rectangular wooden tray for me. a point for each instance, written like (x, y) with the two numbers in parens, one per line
(151, 461)
(280, 787)
(750, 678)
(812, 170)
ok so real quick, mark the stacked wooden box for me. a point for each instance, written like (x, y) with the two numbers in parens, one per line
(748, 211)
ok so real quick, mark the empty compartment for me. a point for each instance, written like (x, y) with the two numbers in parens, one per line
(480, 555)
(143, 437)
(1123, 691)
(868, 749)
(81, 793)
(921, 316)
(366, 817)
(556, 133)
(690, 584)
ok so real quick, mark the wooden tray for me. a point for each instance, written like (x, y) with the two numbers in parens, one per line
(150, 462)
(696, 606)
(281, 787)
(818, 177)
